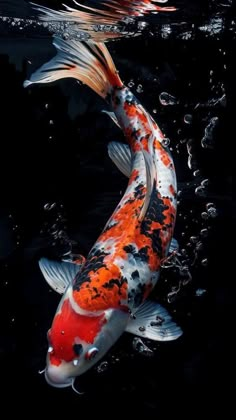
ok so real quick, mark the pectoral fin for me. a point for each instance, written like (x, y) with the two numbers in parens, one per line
(120, 154)
(153, 321)
(59, 275)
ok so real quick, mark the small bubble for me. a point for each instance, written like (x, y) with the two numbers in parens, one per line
(204, 262)
(49, 206)
(139, 88)
(51, 122)
(154, 111)
(66, 35)
(205, 183)
(166, 142)
(196, 173)
(46, 106)
(200, 292)
(194, 239)
(102, 367)
(204, 233)
(190, 146)
(131, 83)
(212, 212)
(142, 25)
(201, 191)
(167, 99)
(209, 205)
(188, 118)
(142, 329)
(199, 246)
(204, 215)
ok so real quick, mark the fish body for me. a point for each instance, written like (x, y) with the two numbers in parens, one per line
(106, 294)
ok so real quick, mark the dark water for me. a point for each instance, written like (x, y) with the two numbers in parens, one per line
(58, 188)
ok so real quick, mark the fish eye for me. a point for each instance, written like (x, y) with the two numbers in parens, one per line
(91, 353)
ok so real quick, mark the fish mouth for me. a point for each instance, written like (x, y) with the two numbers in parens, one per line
(55, 384)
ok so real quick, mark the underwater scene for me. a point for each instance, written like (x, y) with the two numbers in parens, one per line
(116, 206)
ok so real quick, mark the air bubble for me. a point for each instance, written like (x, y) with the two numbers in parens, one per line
(204, 262)
(188, 118)
(204, 233)
(201, 191)
(139, 88)
(200, 292)
(49, 206)
(167, 99)
(166, 142)
(212, 212)
(102, 367)
(140, 347)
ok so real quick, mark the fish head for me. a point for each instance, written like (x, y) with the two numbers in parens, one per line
(78, 341)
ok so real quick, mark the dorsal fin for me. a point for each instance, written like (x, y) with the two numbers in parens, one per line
(149, 183)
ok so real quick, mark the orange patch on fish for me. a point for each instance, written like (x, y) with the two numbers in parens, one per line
(172, 190)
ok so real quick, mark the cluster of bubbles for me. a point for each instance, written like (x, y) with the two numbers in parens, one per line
(55, 227)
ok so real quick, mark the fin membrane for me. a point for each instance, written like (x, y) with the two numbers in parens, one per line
(112, 116)
(88, 62)
(153, 321)
(120, 154)
(59, 275)
(97, 21)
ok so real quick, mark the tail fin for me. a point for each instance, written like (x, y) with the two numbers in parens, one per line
(88, 62)
(95, 21)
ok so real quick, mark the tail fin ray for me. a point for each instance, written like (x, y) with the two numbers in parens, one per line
(88, 62)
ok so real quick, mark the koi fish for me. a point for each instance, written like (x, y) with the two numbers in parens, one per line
(106, 294)
(105, 15)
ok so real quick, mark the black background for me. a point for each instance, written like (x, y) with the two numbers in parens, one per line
(66, 163)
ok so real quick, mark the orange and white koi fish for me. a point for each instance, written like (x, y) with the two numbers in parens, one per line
(107, 294)
(104, 15)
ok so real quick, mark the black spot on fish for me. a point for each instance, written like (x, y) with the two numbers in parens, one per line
(118, 282)
(94, 262)
(129, 249)
(139, 192)
(78, 349)
(135, 275)
(155, 213)
(143, 253)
